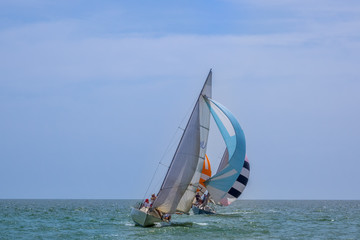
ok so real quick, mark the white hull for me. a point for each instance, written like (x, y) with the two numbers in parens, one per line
(144, 218)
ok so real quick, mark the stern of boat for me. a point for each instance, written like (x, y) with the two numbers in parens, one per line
(143, 218)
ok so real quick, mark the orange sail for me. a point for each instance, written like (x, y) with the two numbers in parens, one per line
(205, 174)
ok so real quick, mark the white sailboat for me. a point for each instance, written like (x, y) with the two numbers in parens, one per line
(179, 186)
(182, 178)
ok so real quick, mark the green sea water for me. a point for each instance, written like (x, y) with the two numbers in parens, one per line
(245, 219)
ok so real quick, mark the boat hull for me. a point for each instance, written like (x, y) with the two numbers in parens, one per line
(143, 218)
(197, 210)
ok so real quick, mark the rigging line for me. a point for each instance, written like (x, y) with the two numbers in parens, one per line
(179, 127)
(197, 103)
(172, 139)
(160, 162)
(186, 116)
(164, 154)
(168, 146)
(164, 164)
(182, 185)
(152, 179)
(157, 185)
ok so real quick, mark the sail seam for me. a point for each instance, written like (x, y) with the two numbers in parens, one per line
(205, 127)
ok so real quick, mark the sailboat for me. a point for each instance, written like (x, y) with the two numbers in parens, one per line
(181, 181)
(233, 172)
(200, 204)
(235, 191)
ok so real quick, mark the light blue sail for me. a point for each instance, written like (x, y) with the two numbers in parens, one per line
(220, 184)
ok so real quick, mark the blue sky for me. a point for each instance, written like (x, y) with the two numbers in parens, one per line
(92, 93)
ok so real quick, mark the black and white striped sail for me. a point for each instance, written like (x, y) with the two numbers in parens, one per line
(239, 185)
(182, 179)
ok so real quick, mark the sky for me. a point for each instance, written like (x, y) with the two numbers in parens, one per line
(92, 92)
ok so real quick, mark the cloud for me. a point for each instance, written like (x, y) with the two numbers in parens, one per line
(56, 50)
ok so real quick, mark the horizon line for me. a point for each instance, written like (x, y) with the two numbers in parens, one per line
(137, 199)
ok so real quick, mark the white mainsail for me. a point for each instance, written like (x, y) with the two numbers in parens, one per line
(181, 181)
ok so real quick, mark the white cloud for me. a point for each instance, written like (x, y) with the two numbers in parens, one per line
(54, 52)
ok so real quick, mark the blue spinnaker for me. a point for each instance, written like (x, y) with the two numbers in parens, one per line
(220, 186)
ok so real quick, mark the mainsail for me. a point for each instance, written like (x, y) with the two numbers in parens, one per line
(221, 185)
(182, 179)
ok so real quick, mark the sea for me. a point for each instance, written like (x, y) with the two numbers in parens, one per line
(245, 219)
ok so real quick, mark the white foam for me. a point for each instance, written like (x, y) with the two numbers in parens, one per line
(202, 224)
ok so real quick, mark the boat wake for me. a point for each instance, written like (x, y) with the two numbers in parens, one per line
(174, 224)
(232, 214)
(201, 224)
(130, 224)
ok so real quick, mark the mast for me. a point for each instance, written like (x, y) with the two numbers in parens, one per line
(187, 124)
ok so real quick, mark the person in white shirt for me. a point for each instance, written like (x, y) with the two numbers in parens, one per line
(146, 203)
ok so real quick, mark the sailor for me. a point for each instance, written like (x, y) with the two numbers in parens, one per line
(167, 217)
(146, 203)
(198, 199)
(206, 198)
(153, 197)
